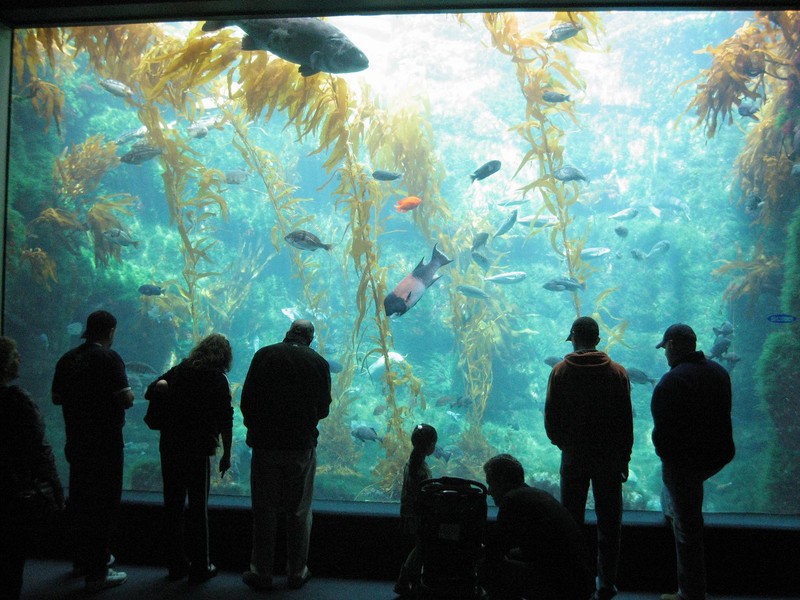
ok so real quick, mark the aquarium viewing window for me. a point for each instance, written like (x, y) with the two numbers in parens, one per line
(638, 167)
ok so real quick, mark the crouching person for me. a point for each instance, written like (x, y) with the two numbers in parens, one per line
(534, 549)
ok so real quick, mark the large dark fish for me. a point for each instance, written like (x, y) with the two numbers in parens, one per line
(305, 240)
(140, 153)
(553, 96)
(639, 376)
(386, 175)
(148, 289)
(562, 31)
(315, 45)
(413, 286)
(486, 169)
(479, 240)
(569, 174)
(564, 284)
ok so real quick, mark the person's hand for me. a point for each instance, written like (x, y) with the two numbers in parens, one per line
(224, 464)
(624, 474)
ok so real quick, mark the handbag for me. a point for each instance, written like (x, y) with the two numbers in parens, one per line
(38, 501)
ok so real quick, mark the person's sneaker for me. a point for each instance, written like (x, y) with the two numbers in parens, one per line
(257, 582)
(80, 571)
(200, 575)
(112, 579)
(297, 581)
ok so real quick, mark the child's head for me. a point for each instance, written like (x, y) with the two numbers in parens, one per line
(424, 438)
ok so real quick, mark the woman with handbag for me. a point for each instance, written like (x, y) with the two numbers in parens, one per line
(31, 489)
(191, 405)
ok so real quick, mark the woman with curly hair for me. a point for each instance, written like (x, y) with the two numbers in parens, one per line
(197, 412)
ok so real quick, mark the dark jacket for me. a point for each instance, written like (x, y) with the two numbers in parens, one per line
(25, 454)
(198, 409)
(286, 392)
(588, 408)
(691, 409)
(548, 539)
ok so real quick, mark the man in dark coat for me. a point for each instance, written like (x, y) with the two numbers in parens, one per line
(534, 549)
(693, 436)
(285, 394)
(92, 388)
(588, 415)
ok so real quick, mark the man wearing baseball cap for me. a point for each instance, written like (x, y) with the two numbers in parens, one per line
(692, 435)
(588, 415)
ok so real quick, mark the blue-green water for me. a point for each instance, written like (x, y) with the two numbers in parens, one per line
(437, 101)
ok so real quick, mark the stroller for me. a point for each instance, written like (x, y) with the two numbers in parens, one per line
(452, 514)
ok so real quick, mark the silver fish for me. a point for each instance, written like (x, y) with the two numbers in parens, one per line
(564, 284)
(305, 240)
(473, 292)
(569, 174)
(120, 237)
(512, 218)
(140, 153)
(625, 214)
(562, 31)
(509, 277)
(408, 292)
(658, 248)
(480, 260)
(590, 253)
(538, 220)
(315, 45)
(117, 88)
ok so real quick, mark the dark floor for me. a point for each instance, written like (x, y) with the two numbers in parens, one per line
(50, 579)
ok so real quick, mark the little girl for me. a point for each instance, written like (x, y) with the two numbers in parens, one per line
(423, 440)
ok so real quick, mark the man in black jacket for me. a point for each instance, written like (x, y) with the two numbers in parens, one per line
(692, 435)
(285, 394)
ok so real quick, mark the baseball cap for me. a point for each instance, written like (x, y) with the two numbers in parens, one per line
(677, 331)
(585, 327)
(99, 323)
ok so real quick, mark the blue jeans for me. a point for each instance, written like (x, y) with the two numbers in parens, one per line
(606, 479)
(682, 503)
(281, 481)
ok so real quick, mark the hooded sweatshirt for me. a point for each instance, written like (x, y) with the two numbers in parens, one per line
(588, 408)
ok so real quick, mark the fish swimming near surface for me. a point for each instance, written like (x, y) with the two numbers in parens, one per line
(364, 433)
(148, 289)
(236, 176)
(408, 203)
(570, 174)
(658, 249)
(120, 237)
(305, 240)
(509, 277)
(486, 169)
(473, 292)
(140, 153)
(413, 286)
(117, 88)
(538, 221)
(480, 260)
(553, 96)
(562, 31)
(386, 175)
(479, 240)
(639, 376)
(315, 45)
(591, 253)
(626, 214)
(564, 284)
(509, 223)
(197, 131)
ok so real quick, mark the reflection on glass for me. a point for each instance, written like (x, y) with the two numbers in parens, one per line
(640, 167)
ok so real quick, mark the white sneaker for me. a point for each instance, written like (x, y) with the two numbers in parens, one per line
(112, 579)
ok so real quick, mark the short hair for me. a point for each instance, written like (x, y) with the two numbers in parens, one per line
(505, 469)
(7, 349)
(212, 352)
(302, 328)
(99, 325)
(423, 436)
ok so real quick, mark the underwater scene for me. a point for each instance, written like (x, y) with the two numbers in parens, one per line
(642, 168)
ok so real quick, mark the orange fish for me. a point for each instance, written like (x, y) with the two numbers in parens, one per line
(408, 203)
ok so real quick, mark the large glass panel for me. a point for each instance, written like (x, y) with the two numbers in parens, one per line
(639, 167)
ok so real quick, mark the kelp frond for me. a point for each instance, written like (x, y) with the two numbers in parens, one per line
(43, 267)
(47, 100)
(113, 49)
(759, 274)
(78, 171)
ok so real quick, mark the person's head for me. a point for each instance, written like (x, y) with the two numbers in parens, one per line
(678, 341)
(100, 327)
(302, 330)
(584, 334)
(503, 474)
(423, 439)
(9, 360)
(212, 352)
